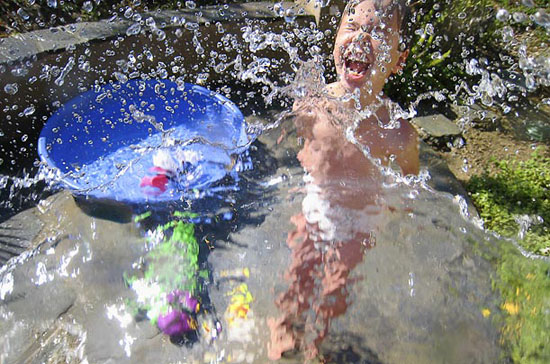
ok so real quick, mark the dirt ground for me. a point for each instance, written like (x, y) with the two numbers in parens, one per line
(482, 147)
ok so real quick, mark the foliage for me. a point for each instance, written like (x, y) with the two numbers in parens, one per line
(172, 265)
(524, 285)
(516, 189)
(510, 189)
(443, 36)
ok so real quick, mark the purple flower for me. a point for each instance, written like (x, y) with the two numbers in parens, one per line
(189, 302)
(175, 323)
(184, 298)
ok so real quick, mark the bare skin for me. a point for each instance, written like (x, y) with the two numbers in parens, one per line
(344, 197)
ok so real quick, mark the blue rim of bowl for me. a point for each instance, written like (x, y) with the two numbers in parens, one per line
(42, 140)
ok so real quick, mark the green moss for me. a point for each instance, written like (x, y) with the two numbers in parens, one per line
(524, 285)
(510, 189)
(513, 190)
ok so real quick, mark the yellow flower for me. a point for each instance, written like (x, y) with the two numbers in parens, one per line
(511, 308)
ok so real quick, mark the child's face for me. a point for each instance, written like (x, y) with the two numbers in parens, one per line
(366, 50)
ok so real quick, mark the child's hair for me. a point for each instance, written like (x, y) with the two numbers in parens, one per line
(401, 8)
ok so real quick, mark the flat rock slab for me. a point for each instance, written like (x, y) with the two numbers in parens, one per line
(24, 45)
(437, 126)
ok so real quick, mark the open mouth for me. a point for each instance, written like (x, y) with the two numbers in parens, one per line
(356, 63)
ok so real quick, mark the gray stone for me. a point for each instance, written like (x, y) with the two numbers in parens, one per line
(18, 233)
(437, 126)
(24, 45)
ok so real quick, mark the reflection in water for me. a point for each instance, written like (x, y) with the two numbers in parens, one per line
(341, 213)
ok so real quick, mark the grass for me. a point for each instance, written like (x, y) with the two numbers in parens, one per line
(516, 192)
(510, 189)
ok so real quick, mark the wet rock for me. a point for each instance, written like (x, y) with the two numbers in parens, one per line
(441, 177)
(18, 233)
(438, 131)
(479, 117)
(32, 43)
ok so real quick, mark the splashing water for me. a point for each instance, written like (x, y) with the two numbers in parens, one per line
(285, 264)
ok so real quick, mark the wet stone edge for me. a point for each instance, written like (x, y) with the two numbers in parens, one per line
(20, 46)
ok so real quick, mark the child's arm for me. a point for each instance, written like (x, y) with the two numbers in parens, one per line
(408, 159)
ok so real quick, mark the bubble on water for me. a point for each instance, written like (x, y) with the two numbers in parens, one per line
(180, 82)
(52, 3)
(29, 110)
(87, 6)
(528, 3)
(133, 29)
(503, 15)
(11, 88)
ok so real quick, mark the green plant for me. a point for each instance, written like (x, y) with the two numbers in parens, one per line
(441, 34)
(524, 285)
(514, 190)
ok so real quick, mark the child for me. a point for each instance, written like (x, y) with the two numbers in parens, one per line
(343, 203)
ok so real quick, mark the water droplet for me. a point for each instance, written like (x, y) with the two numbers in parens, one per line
(24, 138)
(19, 71)
(85, 66)
(29, 110)
(59, 81)
(23, 14)
(148, 55)
(150, 22)
(503, 15)
(11, 88)
(133, 29)
(519, 17)
(128, 13)
(190, 4)
(161, 35)
(52, 3)
(542, 18)
(528, 3)
(290, 15)
(121, 77)
(87, 6)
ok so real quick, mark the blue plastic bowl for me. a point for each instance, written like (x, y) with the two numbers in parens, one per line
(102, 141)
